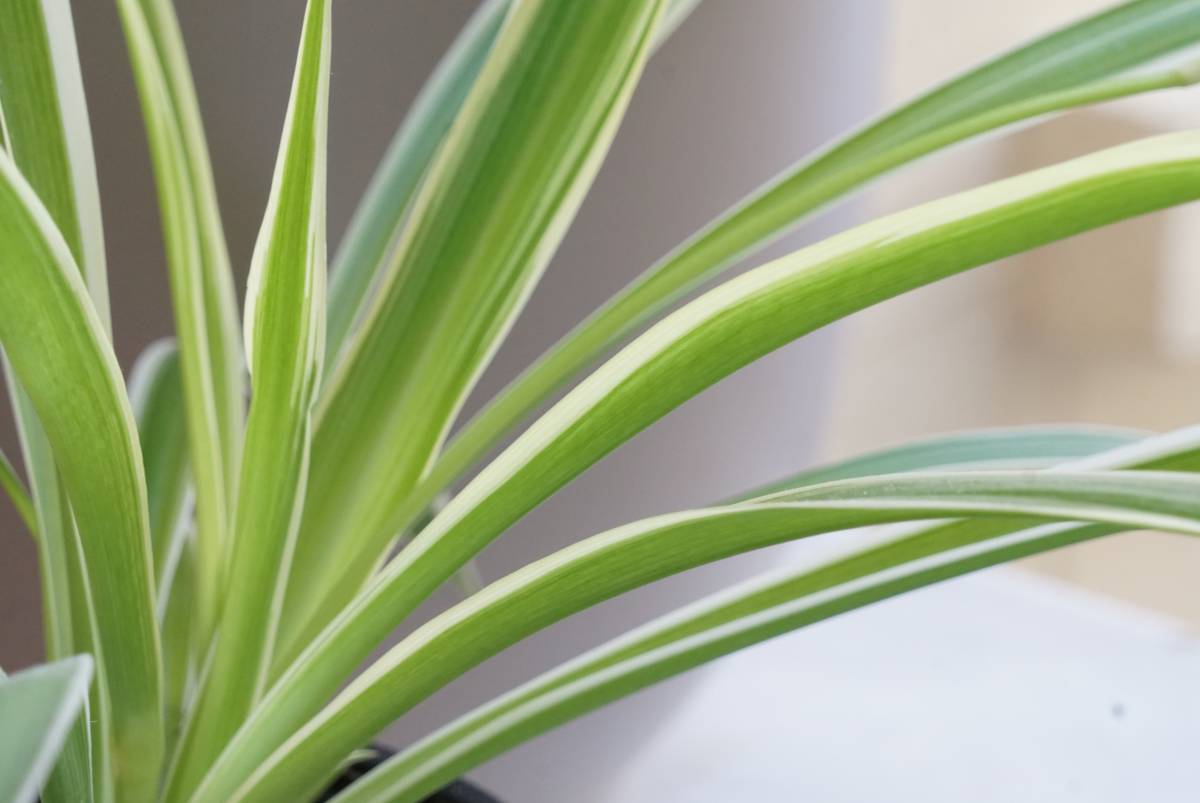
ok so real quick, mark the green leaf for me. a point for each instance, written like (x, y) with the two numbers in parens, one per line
(17, 494)
(59, 352)
(201, 285)
(216, 277)
(65, 607)
(46, 128)
(91, 740)
(1084, 64)
(179, 658)
(156, 394)
(284, 329)
(51, 521)
(43, 113)
(705, 341)
(47, 134)
(219, 300)
(766, 308)
(1016, 447)
(526, 711)
(625, 558)
(664, 648)
(380, 216)
(37, 707)
(498, 198)
(158, 399)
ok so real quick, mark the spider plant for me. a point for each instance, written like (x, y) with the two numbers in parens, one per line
(214, 571)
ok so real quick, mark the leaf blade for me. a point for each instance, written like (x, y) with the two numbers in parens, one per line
(603, 566)
(496, 202)
(480, 734)
(1015, 447)
(705, 341)
(157, 397)
(219, 297)
(284, 321)
(1080, 65)
(48, 136)
(377, 221)
(46, 700)
(46, 133)
(381, 213)
(46, 129)
(17, 494)
(580, 686)
(200, 282)
(57, 348)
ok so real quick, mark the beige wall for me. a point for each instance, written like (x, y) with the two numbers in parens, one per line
(1101, 328)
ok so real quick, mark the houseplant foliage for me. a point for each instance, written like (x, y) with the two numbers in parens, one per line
(214, 572)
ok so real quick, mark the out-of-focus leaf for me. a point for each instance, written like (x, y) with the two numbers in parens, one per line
(1016, 447)
(179, 659)
(37, 709)
(17, 494)
(156, 393)
(381, 214)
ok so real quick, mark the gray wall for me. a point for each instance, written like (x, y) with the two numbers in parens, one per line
(745, 88)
